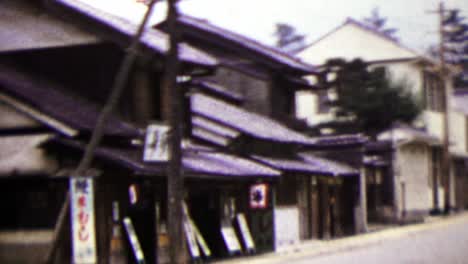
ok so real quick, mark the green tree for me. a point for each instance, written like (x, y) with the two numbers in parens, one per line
(378, 23)
(368, 99)
(455, 41)
(288, 39)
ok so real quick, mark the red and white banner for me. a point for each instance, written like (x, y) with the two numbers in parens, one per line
(258, 196)
(82, 212)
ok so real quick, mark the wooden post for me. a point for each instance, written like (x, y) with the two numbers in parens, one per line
(314, 208)
(172, 113)
(325, 209)
(337, 219)
(443, 74)
(119, 84)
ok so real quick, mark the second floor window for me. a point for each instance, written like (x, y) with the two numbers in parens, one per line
(433, 92)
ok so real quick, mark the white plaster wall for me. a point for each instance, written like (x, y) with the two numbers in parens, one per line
(413, 164)
(407, 71)
(351, 41)
(286, 226)
(307, 108)
(458, 132)
(441, 194)
(434, 123)
(22, 155)
(11, 118)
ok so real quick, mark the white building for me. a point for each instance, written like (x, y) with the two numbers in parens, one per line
(415, 171)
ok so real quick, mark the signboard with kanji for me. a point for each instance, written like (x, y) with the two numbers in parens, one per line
(82, 213)
(258, 196)
(156, 143)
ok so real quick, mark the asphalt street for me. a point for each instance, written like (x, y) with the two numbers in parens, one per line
(438, 240)
(442, 244)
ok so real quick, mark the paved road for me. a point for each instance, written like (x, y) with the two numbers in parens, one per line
(443, 244)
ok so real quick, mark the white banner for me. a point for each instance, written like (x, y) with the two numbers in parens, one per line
(82, 213)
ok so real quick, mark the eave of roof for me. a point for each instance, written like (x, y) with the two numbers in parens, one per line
(73, 112)
(247, 122)
(247, 43)
(290, 165)
(218, 89)
(333, 167)
(152, 38)
(25, 27)
(340, 140)
(196, 163)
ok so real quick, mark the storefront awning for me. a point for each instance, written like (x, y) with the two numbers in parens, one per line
(197, 163)
(335, 168)
(309, 164)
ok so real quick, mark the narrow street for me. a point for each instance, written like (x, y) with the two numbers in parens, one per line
(442, 244)
(439, 240)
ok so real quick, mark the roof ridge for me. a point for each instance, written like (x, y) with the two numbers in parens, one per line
(368, 28)
(304, 65)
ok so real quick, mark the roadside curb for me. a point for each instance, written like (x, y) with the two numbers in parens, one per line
(316, 248)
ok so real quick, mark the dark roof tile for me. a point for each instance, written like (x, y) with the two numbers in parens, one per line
(153, 38)
(264, 50)
(247, 122)
(71, 110)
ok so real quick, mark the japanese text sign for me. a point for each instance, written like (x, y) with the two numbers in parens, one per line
(82, 217)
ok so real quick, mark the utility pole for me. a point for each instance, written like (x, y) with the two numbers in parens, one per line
(446, 95)
(172, 113)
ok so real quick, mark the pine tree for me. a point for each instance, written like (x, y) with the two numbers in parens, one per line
(377, 22)
(455, 41)
(287, 38)
(368, 99)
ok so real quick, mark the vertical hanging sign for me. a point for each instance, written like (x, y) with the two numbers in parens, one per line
(82, 218)
(156, 143)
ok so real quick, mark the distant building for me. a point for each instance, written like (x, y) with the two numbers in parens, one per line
(410, 185)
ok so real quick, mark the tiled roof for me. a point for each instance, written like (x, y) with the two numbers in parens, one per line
(210, 136)
(309, 163)
(218, 89)
(212, 132)
(376, 161)
(296, 165)
(71, 110)
(225, 164)
(152, 38)
(196, 163)
(264, 50)
(333, 167)
(25, 26)
(247, 122)
(401, 134)
(340, 140)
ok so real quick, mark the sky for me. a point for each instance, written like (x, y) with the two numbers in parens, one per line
(256, 18)
(417, 26)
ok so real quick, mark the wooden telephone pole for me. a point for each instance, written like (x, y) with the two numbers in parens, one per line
(173, 113)
(446, 166)
(119, 85)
